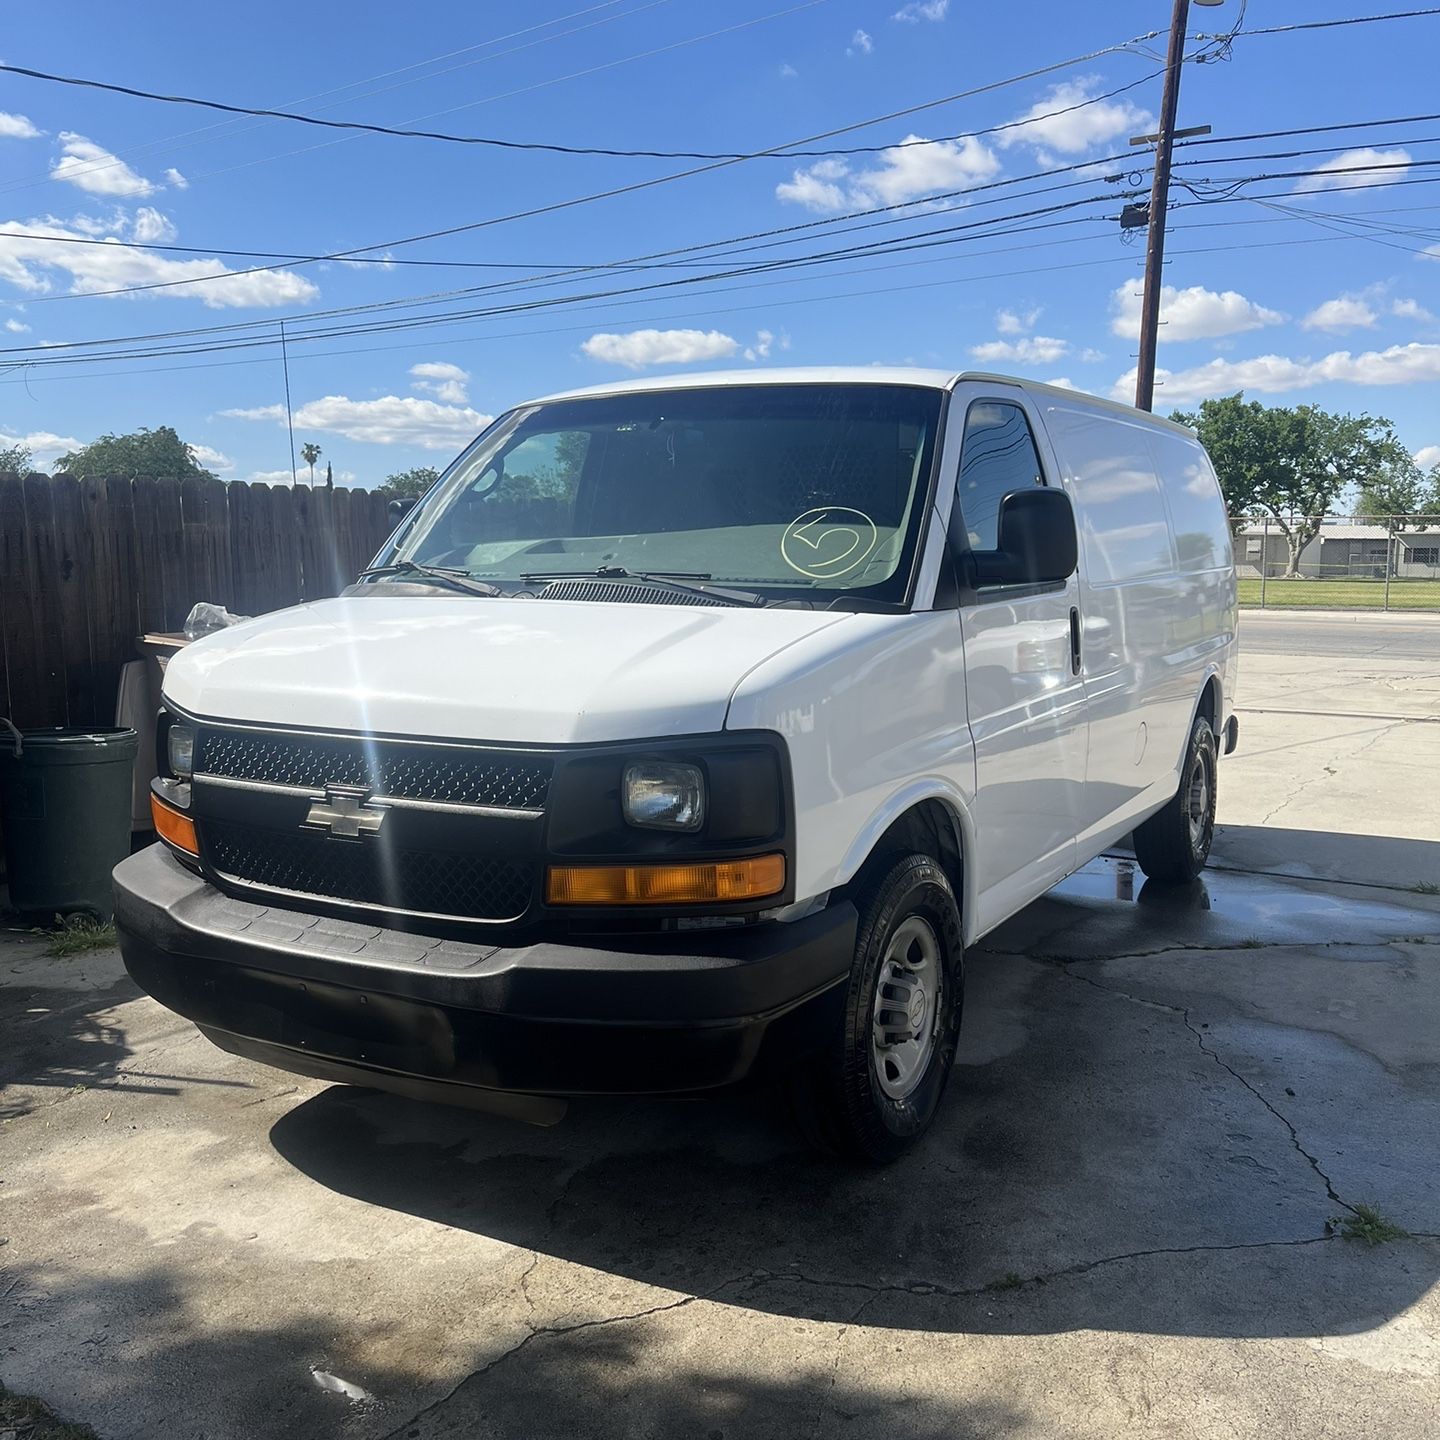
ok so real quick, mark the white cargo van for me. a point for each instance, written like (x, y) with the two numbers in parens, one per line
(685, 734)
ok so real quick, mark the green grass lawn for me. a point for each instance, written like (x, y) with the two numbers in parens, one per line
(1341, 594)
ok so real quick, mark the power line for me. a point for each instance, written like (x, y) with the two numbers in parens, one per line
(713, 250)
(584, 150)
(1325, 24)
(571, 268)
(869, 292)
(410, 324)
(393, 261)
(914, 240)
(944, 235)
(371, 128)
(1309, 130)
(948, 234)
(639, 185)
(204, 130)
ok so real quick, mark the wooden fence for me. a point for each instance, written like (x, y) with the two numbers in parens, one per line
(87, 566)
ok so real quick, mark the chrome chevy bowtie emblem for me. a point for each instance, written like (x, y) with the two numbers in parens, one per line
(345, 814)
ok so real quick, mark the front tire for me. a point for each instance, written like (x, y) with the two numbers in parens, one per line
(875, 1090)
(1174, 843)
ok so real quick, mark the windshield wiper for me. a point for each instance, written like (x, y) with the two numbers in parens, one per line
(674, 580)
(441, 574)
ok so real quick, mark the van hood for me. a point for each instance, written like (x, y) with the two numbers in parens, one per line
(514, 671)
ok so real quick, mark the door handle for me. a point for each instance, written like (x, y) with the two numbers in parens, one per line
(1074, 640)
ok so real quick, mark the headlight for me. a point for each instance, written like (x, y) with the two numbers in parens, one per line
(180, 750)
(664, 796)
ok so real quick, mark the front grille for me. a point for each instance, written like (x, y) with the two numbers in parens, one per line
(449, 774)
(371, 872)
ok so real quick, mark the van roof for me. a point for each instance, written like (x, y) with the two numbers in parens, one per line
(855, 375)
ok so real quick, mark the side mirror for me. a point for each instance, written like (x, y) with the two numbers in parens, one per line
(1037, 544)
(398, 509)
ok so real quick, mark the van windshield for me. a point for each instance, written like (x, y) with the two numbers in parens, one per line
(807, 491)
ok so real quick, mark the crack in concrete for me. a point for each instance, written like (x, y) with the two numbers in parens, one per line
(1184, 1013)
(1029, 953)
(921, 1289)
(546, 1332)
(1328, 770)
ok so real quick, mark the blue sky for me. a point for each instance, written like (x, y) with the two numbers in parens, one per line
(1329, 298)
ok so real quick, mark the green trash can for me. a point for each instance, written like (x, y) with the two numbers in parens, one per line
(65, 812)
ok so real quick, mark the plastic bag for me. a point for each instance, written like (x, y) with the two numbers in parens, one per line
(206, 618)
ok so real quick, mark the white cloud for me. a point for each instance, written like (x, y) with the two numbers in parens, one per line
(1032, 350)
(1410, 310)
(1012, 322)
(1431, 252)
(93, 168)
(1063, 382)
(442, 380)
(860, 44)
(390, 420)
(1051, 134)
(211, 458)
(301, 476)
(175, 178)
(1327, 176)
(16, 127)
(918, 10)
(32, 265)
(15, 327)
(1194, 313)
(1412, 364)
(765, 341)
(1428, 458)
(817, 187)
(1345, 312)
(150, 227)
(45, 446)
(917, 167)
(660, 347)
(788, 72)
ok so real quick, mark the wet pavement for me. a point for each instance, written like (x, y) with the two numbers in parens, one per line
(1121, 1220)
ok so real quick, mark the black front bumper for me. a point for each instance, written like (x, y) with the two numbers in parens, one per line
(342, 1000)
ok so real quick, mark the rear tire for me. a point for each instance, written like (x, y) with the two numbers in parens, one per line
(1174, 843)
(876, 1087)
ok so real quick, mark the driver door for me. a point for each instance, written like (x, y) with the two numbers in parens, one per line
(1025, 695)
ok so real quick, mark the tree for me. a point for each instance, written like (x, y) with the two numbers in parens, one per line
(15, 459)
(409, 482)
(1294, 464)
(144, 455)
(310, 453)
(1400, 492)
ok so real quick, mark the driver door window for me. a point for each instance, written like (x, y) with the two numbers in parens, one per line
(998, 455)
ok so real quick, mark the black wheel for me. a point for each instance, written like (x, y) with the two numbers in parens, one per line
(876, 1088)
(1174, 843)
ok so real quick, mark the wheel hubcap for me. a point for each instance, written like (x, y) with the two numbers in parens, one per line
(1199, 802)
(907, 1008)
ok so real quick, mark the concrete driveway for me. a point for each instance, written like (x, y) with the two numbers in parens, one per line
(1121, 1223)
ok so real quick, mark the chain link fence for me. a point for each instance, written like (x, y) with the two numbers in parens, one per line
(1341, 562)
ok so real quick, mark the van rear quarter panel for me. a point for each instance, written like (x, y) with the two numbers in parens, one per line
(1158, 600)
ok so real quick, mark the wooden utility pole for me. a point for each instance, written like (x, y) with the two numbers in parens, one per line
(1159, 204)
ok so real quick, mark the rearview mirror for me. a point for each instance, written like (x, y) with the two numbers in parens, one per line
(1037, 545)
(397, 510)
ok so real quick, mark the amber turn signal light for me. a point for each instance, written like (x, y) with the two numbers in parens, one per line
(671, 884)
(173, 826)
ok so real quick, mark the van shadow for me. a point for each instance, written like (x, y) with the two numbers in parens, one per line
(1092, 1167)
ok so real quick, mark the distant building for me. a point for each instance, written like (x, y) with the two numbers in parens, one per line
(1344, 549)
